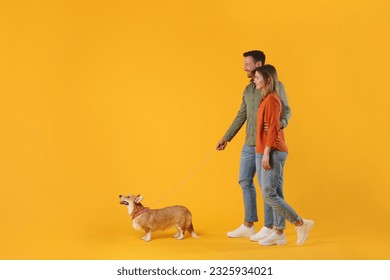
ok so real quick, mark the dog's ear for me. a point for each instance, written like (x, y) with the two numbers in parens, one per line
(138, 199)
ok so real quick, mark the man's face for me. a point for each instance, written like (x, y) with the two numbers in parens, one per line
(250, 65)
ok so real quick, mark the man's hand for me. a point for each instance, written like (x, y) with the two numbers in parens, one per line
(266, 126)
(221, 145)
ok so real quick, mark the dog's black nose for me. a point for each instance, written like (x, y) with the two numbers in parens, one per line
(120, 196)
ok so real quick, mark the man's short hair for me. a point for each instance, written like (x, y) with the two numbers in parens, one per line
(257, 56)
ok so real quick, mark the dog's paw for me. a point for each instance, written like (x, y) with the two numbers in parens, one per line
(146, 238)
(180, 237)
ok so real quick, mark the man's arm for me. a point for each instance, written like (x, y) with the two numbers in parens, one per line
(286, 111)
(238, 122)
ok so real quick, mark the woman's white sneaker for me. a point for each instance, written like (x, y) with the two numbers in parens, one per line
(264, 232)
(242, 231)
(274, 239)
(303, 231)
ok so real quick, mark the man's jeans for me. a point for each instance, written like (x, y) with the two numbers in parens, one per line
(271, 183)
(247, 173)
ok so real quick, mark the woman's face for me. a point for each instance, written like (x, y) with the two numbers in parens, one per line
(259, 81)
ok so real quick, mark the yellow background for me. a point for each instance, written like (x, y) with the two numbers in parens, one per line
(101, 98)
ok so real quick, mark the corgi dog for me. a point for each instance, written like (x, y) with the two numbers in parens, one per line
(150, 220)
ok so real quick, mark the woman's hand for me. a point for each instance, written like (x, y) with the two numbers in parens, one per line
(265, 160)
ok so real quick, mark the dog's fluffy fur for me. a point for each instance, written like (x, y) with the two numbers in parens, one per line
(158, 219)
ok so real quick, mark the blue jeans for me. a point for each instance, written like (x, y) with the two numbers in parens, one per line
(278, 221)
(271, 183)
(247, 173)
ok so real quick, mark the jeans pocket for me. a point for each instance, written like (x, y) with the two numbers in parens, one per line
(281, 156)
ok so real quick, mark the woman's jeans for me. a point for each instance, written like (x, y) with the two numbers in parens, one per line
(271, 185)
(247, 173)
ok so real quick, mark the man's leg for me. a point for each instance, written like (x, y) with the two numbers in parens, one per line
(247, 172)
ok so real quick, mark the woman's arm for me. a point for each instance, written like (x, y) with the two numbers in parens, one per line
(265, 161)
(272, 113)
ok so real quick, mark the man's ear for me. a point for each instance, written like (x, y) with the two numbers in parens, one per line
(138, 199)
(259, 64)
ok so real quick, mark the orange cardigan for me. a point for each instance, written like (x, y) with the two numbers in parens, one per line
(270, 112)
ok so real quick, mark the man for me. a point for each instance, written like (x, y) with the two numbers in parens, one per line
(248, 112)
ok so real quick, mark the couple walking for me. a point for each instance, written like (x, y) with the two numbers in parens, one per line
(265, 109)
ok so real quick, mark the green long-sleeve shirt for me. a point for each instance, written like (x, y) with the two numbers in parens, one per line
(248, 111)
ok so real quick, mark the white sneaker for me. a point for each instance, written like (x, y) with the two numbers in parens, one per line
(242, 231)
(273, 239)
(303, 231)
(263, 233)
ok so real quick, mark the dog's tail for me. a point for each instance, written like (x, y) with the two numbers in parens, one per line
(192, 231)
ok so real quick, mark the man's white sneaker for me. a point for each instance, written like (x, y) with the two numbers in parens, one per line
(273, 239)
(242, 231)
(303, 231)
(263, 233)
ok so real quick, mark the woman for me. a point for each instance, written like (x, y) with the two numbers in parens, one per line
(271, 154)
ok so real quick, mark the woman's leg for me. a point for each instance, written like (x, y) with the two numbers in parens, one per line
(268, 211)
(270, 188)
